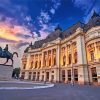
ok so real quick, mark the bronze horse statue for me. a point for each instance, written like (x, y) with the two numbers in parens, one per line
(6, 54)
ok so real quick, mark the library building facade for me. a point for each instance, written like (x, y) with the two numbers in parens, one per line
(72, 55)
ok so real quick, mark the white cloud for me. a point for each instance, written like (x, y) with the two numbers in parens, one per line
(88, 6)
(35, 35)
(45, 16)
(28, 18)
(52, 11)
(47, 29)
(56, 3)
(83, 4)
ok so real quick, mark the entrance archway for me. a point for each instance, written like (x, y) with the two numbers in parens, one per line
(47, 76)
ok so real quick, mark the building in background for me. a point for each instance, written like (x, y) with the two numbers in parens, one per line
(72, 55)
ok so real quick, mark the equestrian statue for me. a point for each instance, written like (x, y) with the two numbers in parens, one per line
(4, 53)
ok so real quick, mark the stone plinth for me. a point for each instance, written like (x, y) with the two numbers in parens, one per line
(5, 72)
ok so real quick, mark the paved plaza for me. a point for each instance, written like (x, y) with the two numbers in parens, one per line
(58, 92)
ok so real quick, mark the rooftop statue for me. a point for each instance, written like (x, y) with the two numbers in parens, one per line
(4, 53)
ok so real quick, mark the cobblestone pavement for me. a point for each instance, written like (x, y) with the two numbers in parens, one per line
(58, 92)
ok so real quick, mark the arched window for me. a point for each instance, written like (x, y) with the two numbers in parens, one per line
(92, 55)
(50, 62)
(54, 60)
(64, 60)
(24, 66)
(45, 62)
(69, 58)
(36, 64)
(40, 64)
(31, 65)
(75, 57)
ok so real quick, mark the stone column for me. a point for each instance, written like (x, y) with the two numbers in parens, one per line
(57, 56)
(98, 73)
(33, 63)
(58, 63)
(61, 58)
(96, 52)
(66, 55)
(83, 76)
(50, 73)
(26, 75)
(40, 76)
(34, 60)
(66, 76)
(47, 59)
(81, 50)
(72, 62)
(28, 62)
(88, 55)
(72, 52)
(51, 58)
(38, 60)
(42, 60)
(32, 76)
(44, 76)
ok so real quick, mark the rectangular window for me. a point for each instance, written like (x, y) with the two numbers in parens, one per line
(22, 75)
(69, 75)
(24, 66)
(29, 77)
(94, 74)
(34, 76)
(63, 75)
(75, 75)
(52, 77)
(92, 55)
(38, 76)
(42, 77)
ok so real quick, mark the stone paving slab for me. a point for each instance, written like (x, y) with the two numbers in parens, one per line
(5, 85)
(58, 92)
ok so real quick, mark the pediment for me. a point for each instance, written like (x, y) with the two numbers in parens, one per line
(45, 45)
(93, 29)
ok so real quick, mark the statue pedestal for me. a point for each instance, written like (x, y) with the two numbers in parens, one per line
(5, 72)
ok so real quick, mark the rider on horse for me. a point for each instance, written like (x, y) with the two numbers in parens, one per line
(6, 50)
(0, 51)
(6, 54)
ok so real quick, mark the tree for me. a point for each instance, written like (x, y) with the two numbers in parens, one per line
(16, 72)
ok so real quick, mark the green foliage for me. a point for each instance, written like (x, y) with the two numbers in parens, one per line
(16, 72)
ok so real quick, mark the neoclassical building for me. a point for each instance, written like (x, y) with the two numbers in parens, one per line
(72, 55)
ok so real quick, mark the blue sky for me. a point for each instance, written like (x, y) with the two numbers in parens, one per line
(25, 19)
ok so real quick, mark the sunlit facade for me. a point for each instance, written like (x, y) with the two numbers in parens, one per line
(66, 56)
